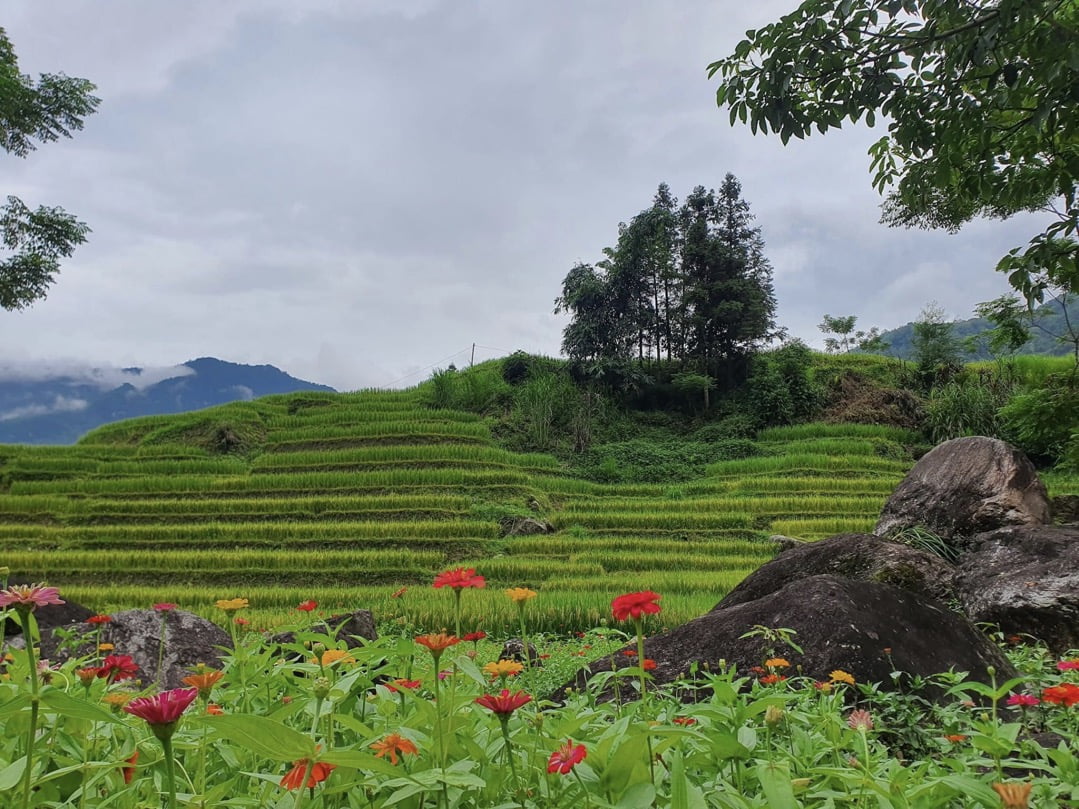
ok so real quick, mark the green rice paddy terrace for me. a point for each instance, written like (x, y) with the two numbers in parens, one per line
(357, 500)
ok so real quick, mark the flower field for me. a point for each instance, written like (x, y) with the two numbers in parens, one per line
(437, 720)
(348, 498)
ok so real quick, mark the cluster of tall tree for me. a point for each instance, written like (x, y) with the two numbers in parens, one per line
(685, 283)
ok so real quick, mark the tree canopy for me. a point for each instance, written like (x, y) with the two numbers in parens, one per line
(687, 283)
(981, 100)
(33, 112)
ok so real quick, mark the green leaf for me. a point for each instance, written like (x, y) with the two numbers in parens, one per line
(638, 796)
(775, 780)
(262, 736)
(11, 774)
(13, 706)
(357, 760)
(67, 705)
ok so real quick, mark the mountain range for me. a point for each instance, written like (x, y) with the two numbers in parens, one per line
(39, 406)
(1050, 321)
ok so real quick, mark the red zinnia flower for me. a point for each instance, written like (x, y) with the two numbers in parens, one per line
(32, 595)
(459, 579)
(1023, 700)
(165, 606)
(629, 652)
(402, 683)
(475, 636)
(307, 606)
(1066, 694)
(771, 679)
(649, 664)
(213, 709)
(504, 703)
(566, 757)
(319, 772)
(115, 668)
(634, 605)
(685, 721)
(129, 771)
(99, 619)
(164, 708)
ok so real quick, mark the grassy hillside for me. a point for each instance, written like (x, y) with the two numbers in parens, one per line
(357, 500)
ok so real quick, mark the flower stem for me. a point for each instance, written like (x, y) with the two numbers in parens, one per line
(31, 734)
(161, 650)
(170, 771)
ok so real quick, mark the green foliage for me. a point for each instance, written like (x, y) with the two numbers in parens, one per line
(978, 98)
(738, 425)
(691, 285)
(646, 461)
(43, 111)
(1042, 421)
(780, 389)
(847, 339)
(936, 351)
(963, 407)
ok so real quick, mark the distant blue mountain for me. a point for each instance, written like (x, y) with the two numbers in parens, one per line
(45, 408)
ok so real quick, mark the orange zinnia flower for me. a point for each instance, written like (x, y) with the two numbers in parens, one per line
(214, 709)
(319, 772)
(393, 744)
(1014, 795)
(129, 771)
(437, 642)
(203, 681)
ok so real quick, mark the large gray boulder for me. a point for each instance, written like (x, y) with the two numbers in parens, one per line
(189, 640)
(864, 557)
(866, 629)
(1026, 581)
(964, 487)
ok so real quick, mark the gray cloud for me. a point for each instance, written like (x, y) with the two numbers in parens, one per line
(352, 191)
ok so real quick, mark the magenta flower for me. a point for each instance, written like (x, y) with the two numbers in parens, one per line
(29, 595)
(164, 708)
(165, 606)
(1023, 700)
(1068, 665)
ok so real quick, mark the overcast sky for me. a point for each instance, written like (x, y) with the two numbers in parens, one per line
(357, 191)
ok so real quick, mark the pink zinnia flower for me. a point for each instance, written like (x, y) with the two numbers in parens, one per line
(1023, 700)
(29, 595)
(566, 757)
(164, 708)
(860, 719)
(504, 703)
(1068, 665)
(165, 606)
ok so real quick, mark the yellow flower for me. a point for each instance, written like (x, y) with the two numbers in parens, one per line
(331, 656)
(777, 663)
(519, 595)
(840, 676)
(105, 647)
(230, 604)
(1014, 795)
(503, 668)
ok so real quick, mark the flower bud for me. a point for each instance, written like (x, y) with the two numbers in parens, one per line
(773, 716)
(321, 687)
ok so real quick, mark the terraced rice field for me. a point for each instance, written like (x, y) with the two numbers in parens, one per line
(357, 500)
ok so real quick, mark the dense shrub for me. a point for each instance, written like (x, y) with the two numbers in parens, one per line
(1042, 421)
(961, 408)
(780, 388)
(644, 461)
